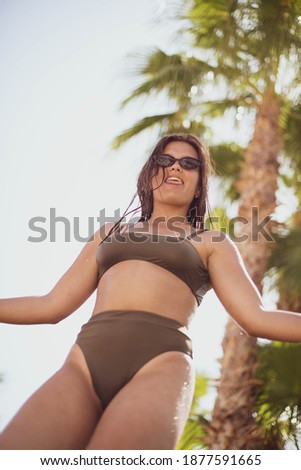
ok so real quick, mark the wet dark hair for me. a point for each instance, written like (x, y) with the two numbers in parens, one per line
(197, 209)
(199, 205)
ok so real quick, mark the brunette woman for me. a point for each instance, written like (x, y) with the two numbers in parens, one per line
(128, 380)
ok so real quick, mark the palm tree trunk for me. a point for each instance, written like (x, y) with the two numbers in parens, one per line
(233, 425)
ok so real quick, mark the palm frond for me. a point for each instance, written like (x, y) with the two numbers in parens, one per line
(169, 123)
(227, 159)
(194, 434)
(213, 24)
(140, 126)
(217, 108)
(184, 125)
(286, 257)
(278, 405)
(195, 428)
(291, 125)
(229, 27)
(176, 73)
(249, 38)
(220, 221)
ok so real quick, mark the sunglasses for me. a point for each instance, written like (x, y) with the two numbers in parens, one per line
(188, 163)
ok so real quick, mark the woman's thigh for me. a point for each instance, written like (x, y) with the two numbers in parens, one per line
(61, 414)
(151, 410)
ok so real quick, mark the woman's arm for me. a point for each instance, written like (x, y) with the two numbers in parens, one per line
(240, 297)
(70, 292)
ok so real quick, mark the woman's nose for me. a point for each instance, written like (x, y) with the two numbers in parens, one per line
(176, 166)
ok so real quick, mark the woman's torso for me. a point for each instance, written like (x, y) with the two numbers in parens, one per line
(138, 284)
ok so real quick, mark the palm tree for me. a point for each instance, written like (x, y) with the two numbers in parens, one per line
(278, 404)
(248, 54)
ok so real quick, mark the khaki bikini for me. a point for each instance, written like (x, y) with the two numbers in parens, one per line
(117, 343)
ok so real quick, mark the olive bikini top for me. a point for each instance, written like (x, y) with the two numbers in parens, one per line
(176, 254)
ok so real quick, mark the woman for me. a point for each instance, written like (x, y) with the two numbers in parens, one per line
(128, 381)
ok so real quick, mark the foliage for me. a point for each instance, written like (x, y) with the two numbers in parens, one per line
(286, 258)
(278, 406)
(227, 159)
(194, 431)
(220, 221)
(292, 146)
(236, 53)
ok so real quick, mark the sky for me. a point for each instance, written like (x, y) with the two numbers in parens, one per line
(64, 71)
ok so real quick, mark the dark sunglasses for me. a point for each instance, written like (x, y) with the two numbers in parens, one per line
(188, 163)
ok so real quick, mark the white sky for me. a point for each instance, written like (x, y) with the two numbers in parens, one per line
(62, 79)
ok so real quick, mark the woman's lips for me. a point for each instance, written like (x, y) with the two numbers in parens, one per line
(173, 180)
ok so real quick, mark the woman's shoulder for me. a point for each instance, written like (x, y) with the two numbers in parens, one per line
(112, 227)
(104, 231)
(211, 240)
(209, 236)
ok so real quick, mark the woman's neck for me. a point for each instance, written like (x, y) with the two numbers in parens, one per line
(167, 214)
(163, 224)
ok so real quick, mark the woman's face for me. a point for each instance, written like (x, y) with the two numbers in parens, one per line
(182, 190)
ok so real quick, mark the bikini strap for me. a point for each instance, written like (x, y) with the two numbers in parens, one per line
(196, 233)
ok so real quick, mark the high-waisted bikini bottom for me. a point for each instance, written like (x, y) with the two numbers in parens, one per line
(117, 343)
